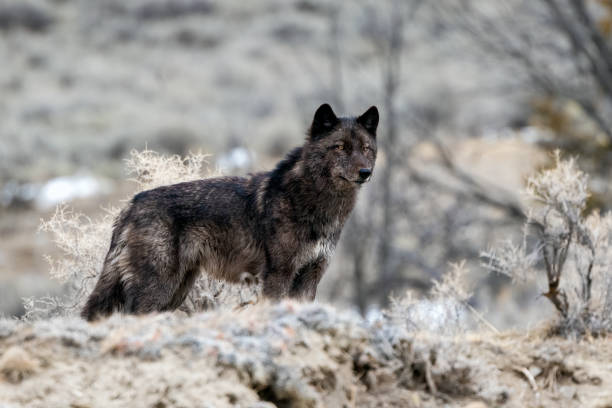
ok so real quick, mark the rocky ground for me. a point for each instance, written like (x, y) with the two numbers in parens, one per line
(291, 355)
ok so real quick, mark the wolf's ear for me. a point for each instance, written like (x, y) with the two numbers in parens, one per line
(324, 120)
(369, 120)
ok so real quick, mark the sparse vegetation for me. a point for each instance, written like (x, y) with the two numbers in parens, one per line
(570, 248)
(444, 310)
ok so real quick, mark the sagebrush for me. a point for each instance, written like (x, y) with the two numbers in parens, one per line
(570, 247)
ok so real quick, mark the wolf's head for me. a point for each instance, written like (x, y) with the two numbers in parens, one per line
(342, 150)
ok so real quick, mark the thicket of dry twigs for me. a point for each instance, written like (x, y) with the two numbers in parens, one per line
(570, 247)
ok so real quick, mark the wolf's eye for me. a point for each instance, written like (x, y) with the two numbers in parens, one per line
(366, 148)
(339, 147)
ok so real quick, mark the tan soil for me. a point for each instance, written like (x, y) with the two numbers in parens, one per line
(291, 355)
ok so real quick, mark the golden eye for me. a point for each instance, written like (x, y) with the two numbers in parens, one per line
(339, 147)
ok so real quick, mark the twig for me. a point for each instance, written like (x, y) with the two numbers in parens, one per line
(600, 73)
(527, 375)
(481, 318)
(429, 378)
(433, 390)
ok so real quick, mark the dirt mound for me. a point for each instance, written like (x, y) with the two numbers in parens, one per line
(289, 355)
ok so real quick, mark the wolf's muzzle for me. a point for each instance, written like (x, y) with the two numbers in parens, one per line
(364, 174)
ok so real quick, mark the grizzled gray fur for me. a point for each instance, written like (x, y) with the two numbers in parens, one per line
(281, 225)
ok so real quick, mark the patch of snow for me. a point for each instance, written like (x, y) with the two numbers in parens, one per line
(437, 315)
(67, 188)
(239, 158)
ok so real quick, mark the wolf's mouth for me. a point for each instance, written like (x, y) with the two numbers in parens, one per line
(358, 181)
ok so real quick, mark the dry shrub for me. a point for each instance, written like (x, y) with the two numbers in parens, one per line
(572, 250)
(84, 242)
(444, 310)
(427, 337)
(150, 169)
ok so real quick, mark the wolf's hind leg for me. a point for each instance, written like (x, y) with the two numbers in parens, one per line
(186, 284)
(153, 280)
(153, 292)
(167, 266)
(189, 251)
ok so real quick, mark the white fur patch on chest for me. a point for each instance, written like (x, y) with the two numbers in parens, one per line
(322, 248)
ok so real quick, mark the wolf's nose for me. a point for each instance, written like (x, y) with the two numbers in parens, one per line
(364, 173)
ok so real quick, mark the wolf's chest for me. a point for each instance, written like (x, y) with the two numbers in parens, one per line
(322, 248)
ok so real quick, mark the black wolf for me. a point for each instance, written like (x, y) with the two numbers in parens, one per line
(281, 226)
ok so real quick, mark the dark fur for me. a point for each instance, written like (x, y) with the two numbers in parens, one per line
(281, 225)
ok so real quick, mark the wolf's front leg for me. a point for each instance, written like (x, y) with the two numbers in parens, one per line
(278, 276)
(277, 282)
(305, 283)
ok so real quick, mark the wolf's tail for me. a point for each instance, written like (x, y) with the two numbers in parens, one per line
(108, 294)
(106, 297)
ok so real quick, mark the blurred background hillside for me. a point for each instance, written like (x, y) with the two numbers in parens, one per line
(473, 96)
